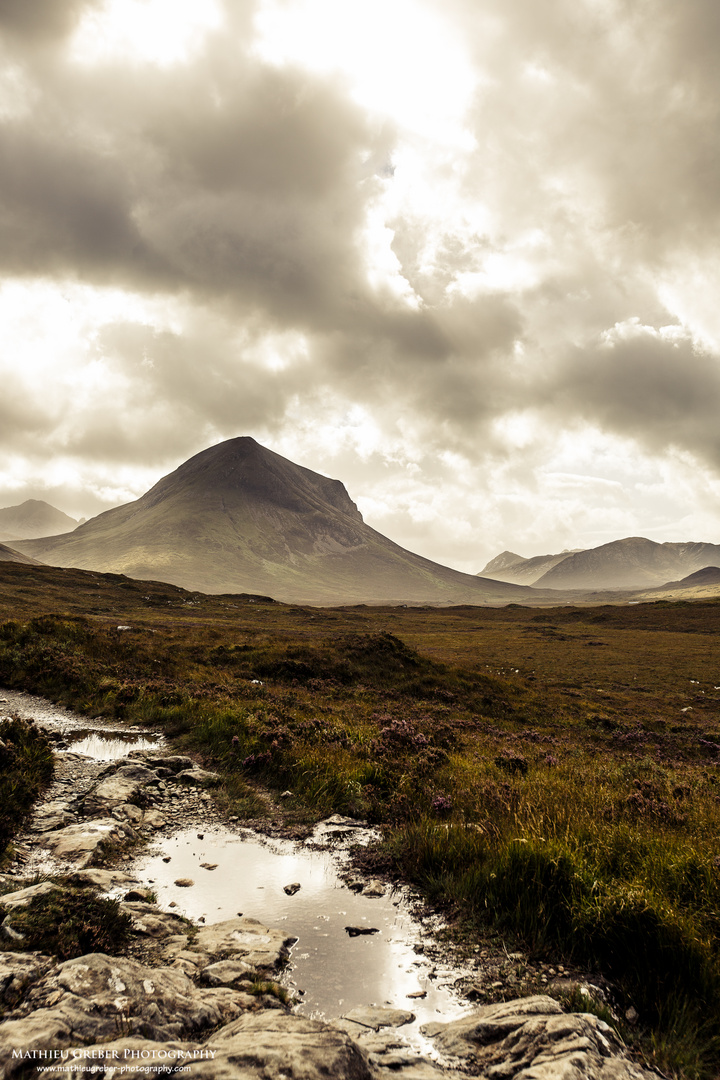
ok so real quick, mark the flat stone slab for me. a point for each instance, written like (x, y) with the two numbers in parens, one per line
(275, 1044)
(22, 897)
(147, 919)
(198, 778)
(116, 790)
(101, 879)
(226, 972)
(370, 1016)
(87, 842)
(245, 939)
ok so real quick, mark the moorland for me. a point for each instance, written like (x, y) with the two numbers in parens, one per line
(549, 775)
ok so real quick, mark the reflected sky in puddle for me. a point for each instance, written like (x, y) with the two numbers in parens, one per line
(102, 741)
(109, 745)
(336, 971)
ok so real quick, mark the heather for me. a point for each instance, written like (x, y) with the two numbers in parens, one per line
(552, 776)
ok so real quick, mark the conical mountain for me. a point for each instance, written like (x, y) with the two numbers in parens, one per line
(239, 518)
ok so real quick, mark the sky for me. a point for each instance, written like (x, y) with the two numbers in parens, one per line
(462, 255)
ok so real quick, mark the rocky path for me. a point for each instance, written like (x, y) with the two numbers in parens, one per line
(204, 999)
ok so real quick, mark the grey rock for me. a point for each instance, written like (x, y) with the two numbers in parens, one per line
(370, 1016)
(22, 897)
(101, 879)
(87, 842)
(149, 921)
(226, 973)
(173, 762)
(533, 1039)
(198, 778)
(124, 786)
(95, 995)
(244, 939)
(374, 888)
(18, 971)
(128, 812)
(273, 1044)
(55, 814)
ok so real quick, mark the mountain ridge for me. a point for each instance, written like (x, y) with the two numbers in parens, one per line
(238, 517)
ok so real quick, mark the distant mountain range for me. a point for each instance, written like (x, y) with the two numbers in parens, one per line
(239, 518)
(31, 519)
(633, 563)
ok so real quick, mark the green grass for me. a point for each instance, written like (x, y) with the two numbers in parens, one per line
(69, 922)
(26, 768)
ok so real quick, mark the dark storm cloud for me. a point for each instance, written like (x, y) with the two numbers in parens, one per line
(41, 20)
(243, 188)
(645, 385)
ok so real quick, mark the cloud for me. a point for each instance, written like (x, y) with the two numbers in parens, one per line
(41, 20)
(294, 255)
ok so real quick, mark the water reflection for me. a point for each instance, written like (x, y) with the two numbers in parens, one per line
(103, 741)
(337, 972)
(109, 745)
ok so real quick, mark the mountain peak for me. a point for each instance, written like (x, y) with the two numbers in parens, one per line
(238, 517)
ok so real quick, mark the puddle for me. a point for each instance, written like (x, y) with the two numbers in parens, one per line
(102, 741)
(336, 971)
(109, 745)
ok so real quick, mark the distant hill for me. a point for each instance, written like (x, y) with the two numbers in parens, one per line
(8, 554)
(521, 571)
(633, 563)
(31, 519)
(239, 518)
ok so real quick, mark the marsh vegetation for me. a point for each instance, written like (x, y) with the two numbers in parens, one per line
(551, 775)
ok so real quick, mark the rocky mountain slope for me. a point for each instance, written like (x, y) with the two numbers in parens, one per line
(239, 518)
(31, 519)
(633, 563)
(521, 571)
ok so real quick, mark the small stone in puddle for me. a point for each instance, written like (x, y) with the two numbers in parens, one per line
(374, 888)
(201, 836)
(184, 882)
(209, 865)
(355, 931)
(292, 889)
(137, 894)
(167, 858)
(418, 994)
(172, 904)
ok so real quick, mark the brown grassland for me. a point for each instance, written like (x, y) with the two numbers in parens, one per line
(552, 775)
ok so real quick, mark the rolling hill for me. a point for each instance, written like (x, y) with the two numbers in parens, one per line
(239, 518)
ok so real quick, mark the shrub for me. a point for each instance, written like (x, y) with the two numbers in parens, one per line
(72, 922)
